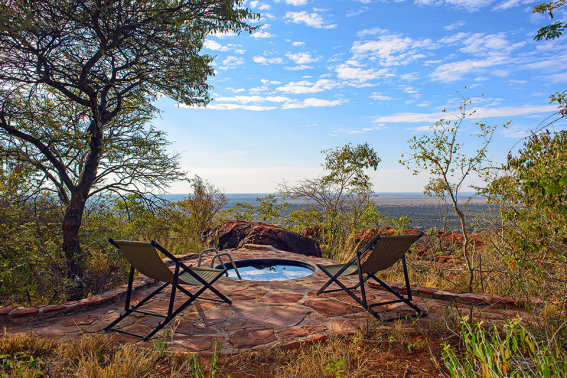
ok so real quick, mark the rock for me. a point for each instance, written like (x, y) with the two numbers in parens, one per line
(367, 235)
(234, 234)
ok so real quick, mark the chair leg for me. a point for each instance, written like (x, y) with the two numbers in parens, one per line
(343, 287)
(130, 310)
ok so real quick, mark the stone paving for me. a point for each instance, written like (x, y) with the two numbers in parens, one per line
(262, 314)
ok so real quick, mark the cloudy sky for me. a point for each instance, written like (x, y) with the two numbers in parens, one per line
(320, 74)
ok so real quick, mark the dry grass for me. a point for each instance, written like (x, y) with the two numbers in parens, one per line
(91, 356)
(371, 352)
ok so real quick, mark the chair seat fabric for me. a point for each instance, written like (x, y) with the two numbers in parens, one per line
(334, 269)
(206, 274)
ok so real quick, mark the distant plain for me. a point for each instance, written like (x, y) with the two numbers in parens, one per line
(425, 212)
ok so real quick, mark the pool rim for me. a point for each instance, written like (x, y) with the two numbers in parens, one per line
(289, 262)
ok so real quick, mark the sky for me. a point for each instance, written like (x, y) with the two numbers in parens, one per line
(317, 75)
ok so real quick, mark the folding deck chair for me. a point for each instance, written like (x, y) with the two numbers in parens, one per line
(143, 257)
(385, 251)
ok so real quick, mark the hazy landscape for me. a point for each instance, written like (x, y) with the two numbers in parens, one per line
(425, 212)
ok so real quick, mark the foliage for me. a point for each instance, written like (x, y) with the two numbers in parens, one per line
(554, 30)
(78, 82)
(444, 157)
(198, 210)
(340, 198)
(268, 209)
(533, 203)
(510, 351)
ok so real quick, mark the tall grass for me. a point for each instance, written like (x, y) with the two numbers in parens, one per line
(508, 351)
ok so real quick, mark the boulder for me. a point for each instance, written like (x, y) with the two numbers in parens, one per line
(366, 235)
(234, 234)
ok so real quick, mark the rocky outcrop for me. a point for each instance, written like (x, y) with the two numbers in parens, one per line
(367, 235)
(234, 234)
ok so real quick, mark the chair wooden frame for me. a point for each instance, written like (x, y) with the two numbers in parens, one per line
(370, 267)
(182, 274)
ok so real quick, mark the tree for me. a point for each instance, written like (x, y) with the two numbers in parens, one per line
(342, 195)
(346, 187)
(553, 31)
(442, 155)
(78, 80)
(532, 194)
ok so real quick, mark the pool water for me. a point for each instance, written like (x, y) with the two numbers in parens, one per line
(269, 269)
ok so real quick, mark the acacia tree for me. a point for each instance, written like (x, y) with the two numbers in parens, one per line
(442, 155)
(343, 194)
(78, 80)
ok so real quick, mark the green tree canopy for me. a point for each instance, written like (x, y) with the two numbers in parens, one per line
(78, 80)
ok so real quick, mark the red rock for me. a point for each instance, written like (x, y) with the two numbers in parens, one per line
(282, 298)
(215, 315)
(21, 312)
(52, 308)
(301, 331)
(99, 326)
(5, 310)
(249, 337)
(241, 324)
(235, 234)
(279, 316)
(80, 320)
(329, 307)
(426, 290)
(193, 344)
(55, 330)
(473, 298)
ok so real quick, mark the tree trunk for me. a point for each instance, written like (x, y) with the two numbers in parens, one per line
(72, 247)
(465, 249)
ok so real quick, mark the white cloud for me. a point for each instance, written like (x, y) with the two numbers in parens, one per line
(224, 35)
(273, 82)
(454, 25)
(359, 75)
(264, 61)
(258, 108)
(214, 45)
(372, 31)
(239, 51)
(278, 99)
(300, 87)
(258, 5)
(557, 78)
(391, 49)
(357, 12)
(231, 62)
(310, 19)
(236, 90)
(298, 43)
(312, 102)
(263, 88)
(470, 5)
(378, 96)
(298, 68)
(293, 2)
(507, 4)
(410, 76)
(261, 34)
(505, 111)
(301, 58)
(241, 99)
(359, 130)
(454, 71)
(516, 131)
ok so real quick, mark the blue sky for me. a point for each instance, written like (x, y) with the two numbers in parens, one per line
(320, 74)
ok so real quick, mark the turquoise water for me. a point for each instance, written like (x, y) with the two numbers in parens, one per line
(270, 273)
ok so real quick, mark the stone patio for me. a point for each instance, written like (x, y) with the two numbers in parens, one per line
(263, 313)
